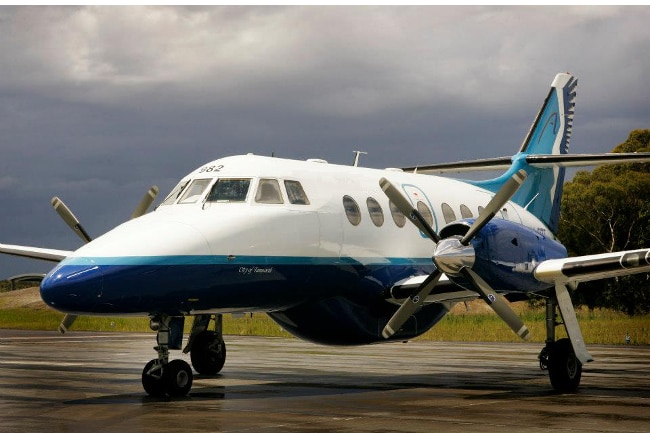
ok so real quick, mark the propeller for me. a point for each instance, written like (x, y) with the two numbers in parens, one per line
(146, 201)
(411, 305)
(504, 194)
(496, 302)
(73, 222)
(69, 218)
(405, 207)
(67, 322)
(455, 256)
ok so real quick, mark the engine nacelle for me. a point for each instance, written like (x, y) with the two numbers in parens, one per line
(506, 254)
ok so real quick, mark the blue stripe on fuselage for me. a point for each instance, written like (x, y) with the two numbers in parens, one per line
(243, 260)
(181, 284)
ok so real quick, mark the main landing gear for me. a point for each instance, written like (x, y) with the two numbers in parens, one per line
(559, 357)
(207, 350)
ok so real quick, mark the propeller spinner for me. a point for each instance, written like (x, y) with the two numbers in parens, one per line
(455, 256)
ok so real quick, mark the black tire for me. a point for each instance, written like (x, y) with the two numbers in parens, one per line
(152, 381)
(208, 353)
(543, 358)
(177, 378)
(564, 369)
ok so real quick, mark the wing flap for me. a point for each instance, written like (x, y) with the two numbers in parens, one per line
(48, 254)
(594, 267)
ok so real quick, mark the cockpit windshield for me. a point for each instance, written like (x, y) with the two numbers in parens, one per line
(235, 190)
(194, 191)
(229, 191)
(176, 192)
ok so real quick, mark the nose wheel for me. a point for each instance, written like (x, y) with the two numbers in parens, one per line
(160, 376)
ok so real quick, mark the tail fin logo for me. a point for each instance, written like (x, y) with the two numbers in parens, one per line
(553, 122)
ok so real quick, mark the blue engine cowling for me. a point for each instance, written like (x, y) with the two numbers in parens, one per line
(506, 254)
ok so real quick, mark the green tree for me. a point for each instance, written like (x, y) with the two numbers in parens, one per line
(608, 210)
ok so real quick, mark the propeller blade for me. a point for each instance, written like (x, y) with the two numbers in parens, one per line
(411, 305)
(146, 201)
(67, 322)
(500, 198)
(70, 219)
(409, 211)
(496, 302)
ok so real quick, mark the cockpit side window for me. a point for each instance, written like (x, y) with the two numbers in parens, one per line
(194, 191)
(295, 192)
(176, 192)
(268, 191)
(229, 191)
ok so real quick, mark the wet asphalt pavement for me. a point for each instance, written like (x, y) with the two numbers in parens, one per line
(90, 382)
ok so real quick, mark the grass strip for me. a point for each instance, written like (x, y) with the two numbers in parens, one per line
(598, 327)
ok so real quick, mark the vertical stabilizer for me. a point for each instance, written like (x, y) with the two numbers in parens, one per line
(551, 130)
(549, 134)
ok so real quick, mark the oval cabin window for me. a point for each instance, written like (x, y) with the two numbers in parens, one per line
(352, 210)
(425, 212)
(376, 213)
(398, 216)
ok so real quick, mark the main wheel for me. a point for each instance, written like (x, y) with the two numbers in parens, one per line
(208, 353)
(177, 378)
(152, 379)
(564, 369)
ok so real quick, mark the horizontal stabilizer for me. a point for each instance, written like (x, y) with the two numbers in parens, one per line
(34, 252)
(541, 161)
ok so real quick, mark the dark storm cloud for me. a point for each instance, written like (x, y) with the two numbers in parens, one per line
(97, 104)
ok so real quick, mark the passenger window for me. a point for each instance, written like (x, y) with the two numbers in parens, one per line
(268, 191)
(351, 210)
(176, 192)
(229, 191)
(465, 212)
(194, 191)
(376, 213)
(295, 192)
(448, 213)
(480, 209)
(398, 216)
(425, 212)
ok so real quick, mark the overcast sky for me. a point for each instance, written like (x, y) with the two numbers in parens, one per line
(97, 104)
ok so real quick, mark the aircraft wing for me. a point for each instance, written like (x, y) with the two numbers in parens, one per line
(34, 252)
(503, 163)
(594, 267)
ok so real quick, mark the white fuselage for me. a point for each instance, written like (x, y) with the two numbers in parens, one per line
(320, 229)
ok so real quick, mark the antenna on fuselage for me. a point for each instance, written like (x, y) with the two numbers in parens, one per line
(357, 153)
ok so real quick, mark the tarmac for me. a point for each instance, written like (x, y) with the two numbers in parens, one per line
(90, 382)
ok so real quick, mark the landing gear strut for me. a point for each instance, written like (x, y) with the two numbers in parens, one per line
(160, 376)
(207, 350)
(564, 368)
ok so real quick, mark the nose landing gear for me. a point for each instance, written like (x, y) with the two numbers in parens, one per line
(207, 350)
(160, 376)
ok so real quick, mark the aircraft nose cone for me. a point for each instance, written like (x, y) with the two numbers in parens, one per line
(73, 285)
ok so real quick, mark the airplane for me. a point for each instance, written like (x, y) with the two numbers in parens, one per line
(341, 255)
